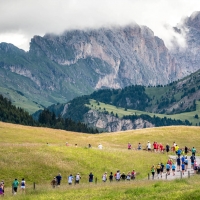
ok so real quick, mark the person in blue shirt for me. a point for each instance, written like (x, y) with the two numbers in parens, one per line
(186, 163)
(91, 176)
(179, 152)
(168, 169)
(183, 159)
(173, 169)
(183, 168)
(58, 179)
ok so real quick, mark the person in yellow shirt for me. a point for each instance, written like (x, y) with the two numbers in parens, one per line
(176, 148)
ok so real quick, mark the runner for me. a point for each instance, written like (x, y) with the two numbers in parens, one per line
(91, 176)
(161, 148)
(2, 185)
(123, 176)
(58, 179)
(183, 168)
(186, 163)
(193, 151)
(168, 169)
(100, 146)
(111, 177)
(15, 186)
(104, 177)
(1, 189)
(129, 146)
(77, 178)
(157, 147)
(173, 169)
(186, 150)
(133, 173)
(158, 167)
(174, 145)
(128, 176)
(149, 146)
(53, 182)
(192, 158)
(195, 166)
(118, 175)
(183, 159)
(161, 169)
(70, 179)
(167, 148)
(176, 149)
(23, 185)
(178, 160)
(154, 146)
(139, 146)
(153, 171)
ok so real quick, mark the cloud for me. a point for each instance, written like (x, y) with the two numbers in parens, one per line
(21, 19)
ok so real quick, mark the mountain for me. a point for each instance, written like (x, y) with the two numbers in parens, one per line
(188, 58)
(58, 68)
(136, 106)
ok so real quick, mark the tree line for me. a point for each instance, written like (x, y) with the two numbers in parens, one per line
(12, 114)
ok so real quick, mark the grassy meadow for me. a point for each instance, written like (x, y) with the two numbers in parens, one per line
(121, 112)
(26, 154)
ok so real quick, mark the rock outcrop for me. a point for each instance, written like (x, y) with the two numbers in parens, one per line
(111, 123)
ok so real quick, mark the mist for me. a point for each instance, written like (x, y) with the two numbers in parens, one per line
(20, 20)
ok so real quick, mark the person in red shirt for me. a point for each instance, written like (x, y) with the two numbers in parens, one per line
(154, 146)
(129, 146)
(161, 148)
(157, 146)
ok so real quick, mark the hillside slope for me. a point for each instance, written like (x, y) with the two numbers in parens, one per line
(42, 161)
(105, 108)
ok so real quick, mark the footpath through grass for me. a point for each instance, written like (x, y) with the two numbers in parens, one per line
(179, 189)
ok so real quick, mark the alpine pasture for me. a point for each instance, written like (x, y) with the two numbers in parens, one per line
(39, 154)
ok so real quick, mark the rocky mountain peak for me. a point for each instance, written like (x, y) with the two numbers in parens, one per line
(194, 20)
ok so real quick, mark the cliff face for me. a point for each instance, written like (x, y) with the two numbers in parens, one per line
(188, 58)
(111, 123)
(61, 67)
(133, 53)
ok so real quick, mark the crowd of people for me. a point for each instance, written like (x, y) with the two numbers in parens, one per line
(117, 176)
(180, 164)
(181, 161)
(15, 185)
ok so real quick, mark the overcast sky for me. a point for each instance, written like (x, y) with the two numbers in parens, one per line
(20, 20)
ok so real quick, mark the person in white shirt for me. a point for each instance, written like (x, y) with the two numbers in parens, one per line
(104, 177)
(118, 176)
(149, 146)
(100, 146)
(77, 178)
(70, 179)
